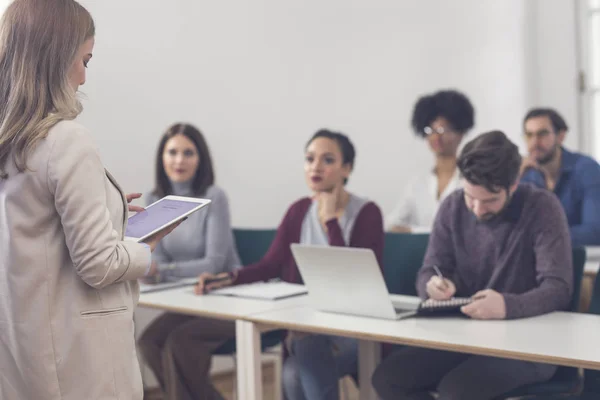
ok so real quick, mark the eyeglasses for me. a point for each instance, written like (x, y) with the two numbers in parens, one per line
(440, 131)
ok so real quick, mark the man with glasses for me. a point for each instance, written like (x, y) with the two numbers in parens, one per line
(573, 177)
(442, 118)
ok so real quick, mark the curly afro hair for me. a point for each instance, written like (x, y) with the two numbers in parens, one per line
(450, 104)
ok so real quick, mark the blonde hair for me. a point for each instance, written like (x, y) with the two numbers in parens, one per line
(39, 40)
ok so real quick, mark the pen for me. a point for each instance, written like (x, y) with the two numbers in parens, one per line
(439, 274)
(215, 280)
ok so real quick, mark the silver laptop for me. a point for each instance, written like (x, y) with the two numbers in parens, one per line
(348, 280)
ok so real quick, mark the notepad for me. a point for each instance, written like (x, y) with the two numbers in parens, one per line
(263, 290)
(155, 287)
(450, 306)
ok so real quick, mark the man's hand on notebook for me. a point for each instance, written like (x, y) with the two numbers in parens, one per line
(440, 288)
(487, 304)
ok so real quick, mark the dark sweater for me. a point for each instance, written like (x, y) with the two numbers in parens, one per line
(279, 261)
(524, 253)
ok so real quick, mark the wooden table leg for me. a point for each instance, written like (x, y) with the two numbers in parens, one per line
(369, 355)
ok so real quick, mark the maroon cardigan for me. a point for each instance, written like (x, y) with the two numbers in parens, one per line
(279, 261)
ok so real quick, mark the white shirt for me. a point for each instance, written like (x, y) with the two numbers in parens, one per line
(419, 203)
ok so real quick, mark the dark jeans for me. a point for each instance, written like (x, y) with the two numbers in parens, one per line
(412, 373)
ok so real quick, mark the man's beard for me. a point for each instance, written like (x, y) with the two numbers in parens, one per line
(488, 217)
(548, 157)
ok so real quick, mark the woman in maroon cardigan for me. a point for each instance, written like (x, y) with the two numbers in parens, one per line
(332, 216)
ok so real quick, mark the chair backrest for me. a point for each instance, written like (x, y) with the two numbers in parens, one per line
(579, 257)
(252, 244)
(402, 258)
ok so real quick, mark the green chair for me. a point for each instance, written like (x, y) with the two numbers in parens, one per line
(566, 381)
(252, 244)
(403, 255)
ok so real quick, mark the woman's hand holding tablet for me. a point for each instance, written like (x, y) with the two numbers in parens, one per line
(153, 240)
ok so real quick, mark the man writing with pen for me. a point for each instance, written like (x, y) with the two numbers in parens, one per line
(505, 245)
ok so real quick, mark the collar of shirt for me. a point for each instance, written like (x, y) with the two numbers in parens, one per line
(452, 185)
(567, 161)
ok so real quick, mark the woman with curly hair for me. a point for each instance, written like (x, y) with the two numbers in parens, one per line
(443, 119)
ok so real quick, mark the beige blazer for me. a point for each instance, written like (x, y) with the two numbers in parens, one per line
(67, 278)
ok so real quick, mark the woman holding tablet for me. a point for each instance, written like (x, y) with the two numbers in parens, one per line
(330, 216)
(203, 244)
(68, 284)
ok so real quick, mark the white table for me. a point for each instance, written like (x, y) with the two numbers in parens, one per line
(184, 301)
(557, 338)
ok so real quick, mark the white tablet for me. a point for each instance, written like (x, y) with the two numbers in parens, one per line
(161, 214)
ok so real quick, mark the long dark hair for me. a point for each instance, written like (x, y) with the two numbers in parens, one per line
(204, 176)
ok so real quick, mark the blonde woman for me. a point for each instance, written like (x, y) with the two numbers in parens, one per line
(67, 278)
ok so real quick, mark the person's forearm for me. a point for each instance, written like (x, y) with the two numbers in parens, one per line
(551, 295)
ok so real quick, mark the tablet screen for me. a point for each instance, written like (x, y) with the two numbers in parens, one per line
(156, 216)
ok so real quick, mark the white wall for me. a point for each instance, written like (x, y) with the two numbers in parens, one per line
(554, 61)
(260, 77)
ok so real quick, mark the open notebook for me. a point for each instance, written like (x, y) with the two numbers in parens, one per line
(263, 290)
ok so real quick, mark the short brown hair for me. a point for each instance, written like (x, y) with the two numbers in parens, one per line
(490, 160)
(557, 121)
